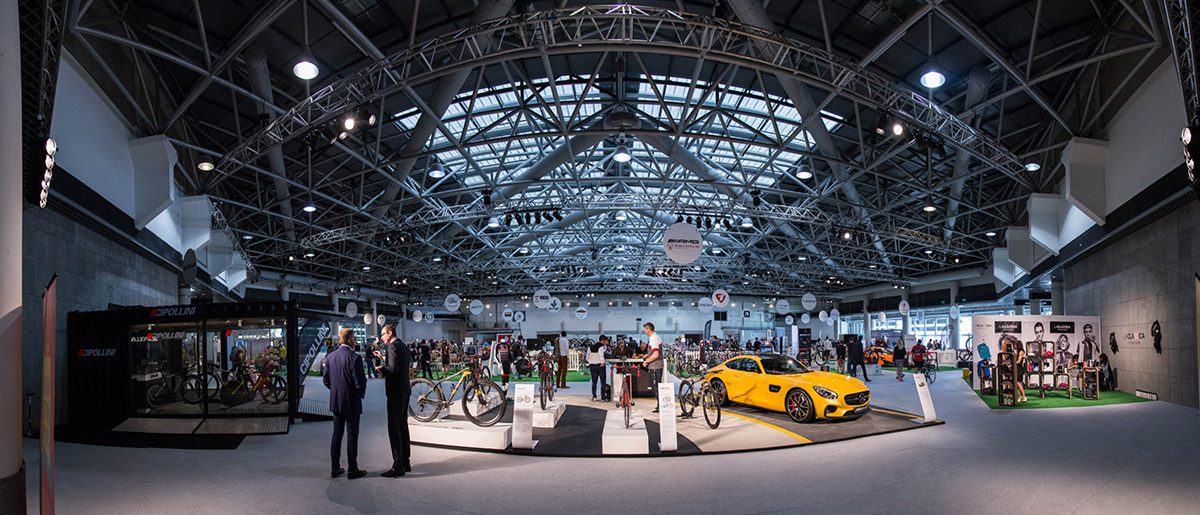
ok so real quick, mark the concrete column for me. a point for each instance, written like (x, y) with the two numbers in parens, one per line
(185, 295)
(12, 476)
(904, 318)
(402, 324)
(373, 327)
(1058, 297)
(866, 318)
(284, 293)
(954, 342)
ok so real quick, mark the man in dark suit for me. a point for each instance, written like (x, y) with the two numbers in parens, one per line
(396, 363)
(347, 382)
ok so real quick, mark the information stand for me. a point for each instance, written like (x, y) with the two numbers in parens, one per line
(1091, 383)
(1006, 378)
(522, 436)
(668, 439)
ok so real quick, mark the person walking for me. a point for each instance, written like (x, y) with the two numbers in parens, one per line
(426, 350)
(504, 357)
(395, 362)
(841, 355)
(855, 353)
(562, 349)
(445, 352)
(347, 383)
(654, 359)
(595, 362)
(898, 358)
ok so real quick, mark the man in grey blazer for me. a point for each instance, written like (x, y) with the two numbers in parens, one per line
(344, 376)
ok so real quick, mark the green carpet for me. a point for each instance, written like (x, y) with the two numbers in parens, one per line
(1058, 399)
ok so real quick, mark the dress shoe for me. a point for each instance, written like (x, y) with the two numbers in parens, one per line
(356, 473)
(337, 472)
(393, 473)
(407, 467)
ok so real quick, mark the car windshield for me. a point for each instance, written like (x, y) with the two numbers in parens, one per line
(782, 365)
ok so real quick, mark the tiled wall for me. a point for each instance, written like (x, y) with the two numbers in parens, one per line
(92, 272)
(1147, 276)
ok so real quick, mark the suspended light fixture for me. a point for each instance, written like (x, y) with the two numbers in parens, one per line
(436, 171)
(897, 128)
(990, 234)
(747, 222)
(493, 222)
(349, 122)
(309, 208)
(847, 235)
(929, 207)
(620, 216)
(933, 78)
(306, 65)
(805, 172)
(1190, 137)
(622, 154)
(1032, 167)
(205, 166)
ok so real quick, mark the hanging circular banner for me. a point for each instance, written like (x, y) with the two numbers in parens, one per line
(904, 307)
(418, 316)
(672, 311)
(541, 299)
(453, 302)
(682, 243)
(823, 316)
(808, 302)
(367, 318)
(805, 318)
(507, 315)
(555, 305)
(429, 318)
(789, 320)
(954, 312)
(882, 317)
(476, 307)
(829, 322)
(834, 314)
(581, 312)
(519, 317)
(351, 310)
(720, 298)
(380, 320)
(783, 307)
(704, 304)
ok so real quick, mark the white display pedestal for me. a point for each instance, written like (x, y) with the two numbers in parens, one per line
(461, 433)
(874, 369)
(548, 418)
(621, 440)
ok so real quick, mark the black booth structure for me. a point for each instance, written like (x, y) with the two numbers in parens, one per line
(203, 361)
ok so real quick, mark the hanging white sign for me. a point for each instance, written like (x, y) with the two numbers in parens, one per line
(351, 310)
(507, 315)
(429, 318)
(823, 316)
(745, 313)
(904, 307)
(808, 301)
(789, 320)
(682, 243)
(519, 317)
(834, 314)
(672, 311)
(453, 302)
(555, 305)
(783, 307)
(418, 315)
(704, 304)
(954, 311)
(882, 317)
(720, 298)
(829, 322)
(581, 312)
(541, 299)
(367, 318)
(380, 320)
(805, 318)
(476, 307)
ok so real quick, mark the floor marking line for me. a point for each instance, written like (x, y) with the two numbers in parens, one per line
(901, 413)
(770, 425)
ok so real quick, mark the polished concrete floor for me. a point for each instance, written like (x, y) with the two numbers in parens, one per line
(1135, 458)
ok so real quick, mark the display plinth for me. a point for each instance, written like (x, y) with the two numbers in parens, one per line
(875, 369)
(461, 433)
(621, 440)
(548, 418)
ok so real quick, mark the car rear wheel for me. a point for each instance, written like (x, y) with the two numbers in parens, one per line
(799, 406)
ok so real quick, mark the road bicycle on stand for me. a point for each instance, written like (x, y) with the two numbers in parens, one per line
(245, 383)
(546, 386)
(929, 368)
(627, 371)
(695, 393)
(483, 402)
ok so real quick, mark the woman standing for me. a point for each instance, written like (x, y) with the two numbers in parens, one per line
(445, 347)
(898, 357)
(595, 361)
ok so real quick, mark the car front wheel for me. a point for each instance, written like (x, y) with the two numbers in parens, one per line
(799, 406)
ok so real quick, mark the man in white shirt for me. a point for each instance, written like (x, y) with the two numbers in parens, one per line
(562, 349)
(654, 358)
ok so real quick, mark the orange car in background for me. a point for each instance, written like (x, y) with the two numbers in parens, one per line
(877, 355)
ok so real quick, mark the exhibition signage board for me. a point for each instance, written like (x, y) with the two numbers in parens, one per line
(476, 307)
(682, 243)
(507, 315)
(808, 302)
(581, 312)
(453, 302)
(522, 436)
(519, 317)
(705, 305)
(904, 307)
(805, 318)
(418, 315)
(783, 307)
(720, 298)
(351, 310)
(673, 312)
(1066, 336)
(555, 305)
(669, 440)
(926, 399)
(541, 299)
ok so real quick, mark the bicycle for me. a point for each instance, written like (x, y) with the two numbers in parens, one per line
(628, 370)
(483, 402)
(546, 386)
(248, 382)
(164, 390)
(203, 385)
(707, 397)
(929, 369)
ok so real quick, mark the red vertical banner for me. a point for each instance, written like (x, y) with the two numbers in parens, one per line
(49, 332)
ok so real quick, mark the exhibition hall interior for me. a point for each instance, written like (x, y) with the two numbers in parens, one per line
(534, 256)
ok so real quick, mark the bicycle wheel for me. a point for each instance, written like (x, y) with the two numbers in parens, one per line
(193, 389)
(542, 395)
(627, 398)
(212, 386)
(931, 374)
(548, 384)
(712, 407)
(687, 399)
(276, 389)
(484, 403)
(820, 360)
(154, 395)
(426, 400)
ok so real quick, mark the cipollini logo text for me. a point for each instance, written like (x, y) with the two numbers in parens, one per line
(181, 311)
(97, 353)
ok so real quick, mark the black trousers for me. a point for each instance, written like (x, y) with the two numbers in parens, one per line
(345, 423)
(597, 372)
(855, 365)
(426, 370)
(656, 377)
(397, 425)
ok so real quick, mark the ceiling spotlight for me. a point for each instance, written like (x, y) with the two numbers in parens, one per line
(805, 173)
(621, 216)
(803, 258)
(366, 269)
(205, 166)
(437, 259)
(622, 154)
(957, 260)
(897, 128)
(49, 163)
(436, 171)
(1032, 167)
(348, 123)
(291, 258)
(522, 250)
(493, 222)
(1186, 136)
(343, 135)
(933, 78)
(927, 251)
(990, 234)
(846, 235)
(247, 237)
(929, 207)
(747, 222)
(371, 119)
(306, 67)
(309, 208)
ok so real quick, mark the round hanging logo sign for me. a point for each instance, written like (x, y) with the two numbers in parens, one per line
(507, 315)
(541, 299)
(954, 312)
(519, 317)
(682, 243)
(823, 316)
(834, 314)
(705, 305)
(882, 317)
(746, 313)
(351, 310)
(367, 318)
(476, 307)
(789, 320)
(829, 322)
(418, 316)
(555, 305)
(720, 298)
(581, 312)
(783, 307)
(805, 318)
(672, 311)
(453, 302)
(429, 318)
(904, 307)
(380, 320)
(809, 301)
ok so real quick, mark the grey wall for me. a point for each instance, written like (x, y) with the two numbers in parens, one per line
(92, 272)
(1146, 276)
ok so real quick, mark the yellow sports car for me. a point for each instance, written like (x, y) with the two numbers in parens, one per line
(780, 383)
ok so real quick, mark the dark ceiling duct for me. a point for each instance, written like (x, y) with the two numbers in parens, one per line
(260, 83)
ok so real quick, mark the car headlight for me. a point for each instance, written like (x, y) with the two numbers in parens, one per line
(826, 393)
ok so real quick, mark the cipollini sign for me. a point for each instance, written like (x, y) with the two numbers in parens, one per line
(179, 311)
(682, 243)
(97, 353)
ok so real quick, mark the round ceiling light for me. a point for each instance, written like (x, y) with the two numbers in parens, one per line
(437, 171)
(493, 222)
(990, 234)
(622, 154)
(309, 208)
(747, 222)
(621, 216)
(929, 207)
(306, 67)
(805, 173)
(897, 128)
(1032, 167)
(933, 78)
(205, 166)
(52, 146)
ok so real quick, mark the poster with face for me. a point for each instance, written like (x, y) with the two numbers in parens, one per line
(1064, 338)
